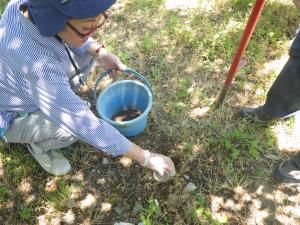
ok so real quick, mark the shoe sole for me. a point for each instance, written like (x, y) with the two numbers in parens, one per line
(282, 178)
(45, 168)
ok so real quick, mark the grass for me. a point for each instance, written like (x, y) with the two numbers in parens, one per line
(185, 54)
(3, 3)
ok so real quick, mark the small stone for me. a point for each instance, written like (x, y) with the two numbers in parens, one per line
(190, 187)
(69, 217)
(119, 210)
(105, 161)
(70, 203)
(106, 207)
(186, 177)
(101, 181)
(51, 186)
(29, 199)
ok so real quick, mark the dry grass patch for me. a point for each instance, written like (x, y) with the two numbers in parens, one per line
(185, 54)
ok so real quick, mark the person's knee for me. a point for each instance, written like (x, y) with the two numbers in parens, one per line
(63, 137)
(59, 139)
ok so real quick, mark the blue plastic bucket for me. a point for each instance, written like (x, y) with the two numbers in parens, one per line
(125, 95)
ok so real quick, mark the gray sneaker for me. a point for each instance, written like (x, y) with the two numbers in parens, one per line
(52, 161)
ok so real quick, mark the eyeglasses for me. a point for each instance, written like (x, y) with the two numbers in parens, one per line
(100, 23)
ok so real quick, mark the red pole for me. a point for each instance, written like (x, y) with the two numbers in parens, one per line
(256, 11)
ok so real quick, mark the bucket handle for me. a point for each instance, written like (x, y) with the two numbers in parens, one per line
(128, 71)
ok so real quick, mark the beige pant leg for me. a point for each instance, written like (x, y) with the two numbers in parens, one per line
(38, 129)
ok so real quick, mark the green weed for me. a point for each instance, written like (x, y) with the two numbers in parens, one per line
(199, 213)
(124, 56)
(3, 193)
(188, 147)
(26, 213)
(151, 210)
(3, 4)
(182, 92)
(59, 197)
(147, 43)
(176, 49)
(237, 141)
(145, 5)
(155, 73)
(152, 214)
(19, 164)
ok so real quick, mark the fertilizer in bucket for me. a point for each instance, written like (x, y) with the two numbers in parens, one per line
(126, 115)
(126, 104)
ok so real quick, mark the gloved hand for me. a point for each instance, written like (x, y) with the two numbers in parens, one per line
(107, 60)
(162, 166)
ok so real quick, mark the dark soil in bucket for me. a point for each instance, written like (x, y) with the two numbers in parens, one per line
(126, 115)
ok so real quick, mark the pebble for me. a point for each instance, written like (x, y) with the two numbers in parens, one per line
(101, 181)
(186, 177)
(105, 161)
(69, 217)
(70, 203)
(190, 187)
(119, 210)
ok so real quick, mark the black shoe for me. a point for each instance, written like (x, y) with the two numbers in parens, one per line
(255, 114)
(288, 171)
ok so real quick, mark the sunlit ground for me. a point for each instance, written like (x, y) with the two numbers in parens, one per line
(186, 56)
(181, 4)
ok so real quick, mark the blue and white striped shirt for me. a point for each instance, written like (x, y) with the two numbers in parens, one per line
(33, 76)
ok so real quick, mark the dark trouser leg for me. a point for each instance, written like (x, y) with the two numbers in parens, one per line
(283, 97)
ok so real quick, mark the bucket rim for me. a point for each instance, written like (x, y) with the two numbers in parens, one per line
(124, 123)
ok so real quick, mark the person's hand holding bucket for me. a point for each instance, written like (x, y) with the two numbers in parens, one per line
(107, 60)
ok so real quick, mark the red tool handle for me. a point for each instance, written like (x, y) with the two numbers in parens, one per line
(256, 11)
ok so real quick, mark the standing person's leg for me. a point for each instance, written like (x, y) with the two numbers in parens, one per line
(43, 138)
(283, 98)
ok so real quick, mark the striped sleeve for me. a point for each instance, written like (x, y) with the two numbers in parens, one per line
(51, 92)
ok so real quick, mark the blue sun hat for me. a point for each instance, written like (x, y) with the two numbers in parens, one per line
(50, 16)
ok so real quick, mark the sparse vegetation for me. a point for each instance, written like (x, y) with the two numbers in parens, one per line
(185, 54)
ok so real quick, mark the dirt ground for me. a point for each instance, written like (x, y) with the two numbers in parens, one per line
(226, 161)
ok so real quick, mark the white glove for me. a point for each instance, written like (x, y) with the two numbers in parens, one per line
(108, 60)
(162, 166)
